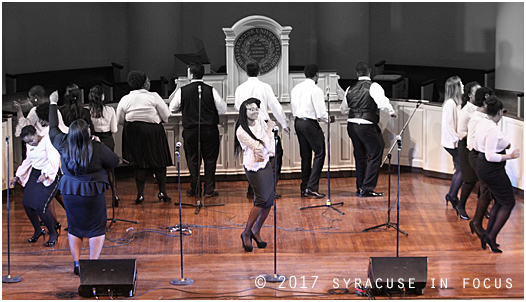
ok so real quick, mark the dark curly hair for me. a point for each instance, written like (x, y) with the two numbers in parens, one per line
(136, 79)
(43, 112)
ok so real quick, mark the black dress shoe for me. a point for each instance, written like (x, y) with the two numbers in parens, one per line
(370, 193)
(261, 244)
(139, 199)
(35, 238)
(190, 193)
(303, 193)
(76, 268)
(278, 196)
(162, 196)
(213, 194)
(309, 193)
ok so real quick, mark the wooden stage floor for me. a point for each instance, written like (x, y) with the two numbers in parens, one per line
(318, 249)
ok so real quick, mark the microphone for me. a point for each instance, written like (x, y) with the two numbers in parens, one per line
(327, 91)
(399, 141)
(177, 148)
(199, 90)
(275, 130)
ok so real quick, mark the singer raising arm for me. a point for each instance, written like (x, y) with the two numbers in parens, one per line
(254, 138)
(84, 163)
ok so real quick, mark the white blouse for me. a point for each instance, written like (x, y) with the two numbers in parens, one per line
(463, 119)
(142, 106)
(472, 129)
(256, 155)
(42, 157)
(450, 112)
(106, 123)
(490, 140)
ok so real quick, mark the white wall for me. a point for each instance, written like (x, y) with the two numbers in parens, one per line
(509, 55)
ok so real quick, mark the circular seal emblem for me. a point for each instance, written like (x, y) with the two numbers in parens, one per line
(260, 45)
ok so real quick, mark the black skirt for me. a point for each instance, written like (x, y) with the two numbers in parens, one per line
(468, 174)
(36, 195)
(106, 138)
(262, 182)
(86, 215)
(495, 177)
(145, 145)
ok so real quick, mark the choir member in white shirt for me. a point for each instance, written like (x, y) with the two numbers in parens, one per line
(38, 173)
(308, 105)
(484, 197)
(363, 103)
(469, 176)
(144, 142)
(104, 123)
(254, 137)
(450, 138)
(254, 88)
(490, 167)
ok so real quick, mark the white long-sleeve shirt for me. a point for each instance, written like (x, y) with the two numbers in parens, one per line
(252, 148)
(450, 112)
(106, 123)
(377, 93)
(254, 88)
(463, 119)
(42, 157)
(142, 106)
(490, 140)
(472, 129)
(306, 101)
(33, 119)
(175, 100)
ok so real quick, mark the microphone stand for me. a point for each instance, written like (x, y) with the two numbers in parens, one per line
(398, 142)
(328, 203)
(113, 203)
(275, 277)
(199, 204)
(183, 280)
(8, 278)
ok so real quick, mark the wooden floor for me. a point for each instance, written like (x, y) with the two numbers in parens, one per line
(317, 249)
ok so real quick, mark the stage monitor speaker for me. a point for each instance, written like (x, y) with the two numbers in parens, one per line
(392, 275)
(108, 277)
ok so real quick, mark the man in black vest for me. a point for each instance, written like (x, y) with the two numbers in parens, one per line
(200, 105)
(363, 102)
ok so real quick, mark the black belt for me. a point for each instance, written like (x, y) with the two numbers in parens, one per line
(305, 119)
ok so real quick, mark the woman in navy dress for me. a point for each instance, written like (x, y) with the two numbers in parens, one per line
(84, 164)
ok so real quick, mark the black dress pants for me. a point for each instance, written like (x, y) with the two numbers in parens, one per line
(209, 154)
(311, 138)
(368, 145)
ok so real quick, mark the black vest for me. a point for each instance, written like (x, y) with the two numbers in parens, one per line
(361, 104)
(190, 105)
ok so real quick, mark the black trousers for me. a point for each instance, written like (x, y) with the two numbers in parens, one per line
(311, 138)
(368, 145)
(209, 154)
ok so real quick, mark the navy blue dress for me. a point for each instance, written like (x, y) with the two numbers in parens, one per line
(83, 195)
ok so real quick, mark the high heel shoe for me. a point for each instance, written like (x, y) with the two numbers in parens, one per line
(164, 197)
(76, 268)
(58, 226)
(492, 245)
(483, 242)
(51, 242)
(261, 244)
(35, 239)
(462, 213)
(474, 229)
(452, 201)
(139, 199)
(117, 199)
(247, 248)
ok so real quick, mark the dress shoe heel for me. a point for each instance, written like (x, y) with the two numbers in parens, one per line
(162, 196)
(51, 242)
(492, 244)
(483, 242)
(247, 248)
(35, 239)
(452, 201)
(261, 244)
(58, 226)
(309, 193)
(462, 213)
(139, 199)
(76, 268)
(117, 200)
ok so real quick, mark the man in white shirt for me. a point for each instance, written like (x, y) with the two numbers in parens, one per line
(254, 88)
(308, 105)
(200, 105)
(362, 103)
